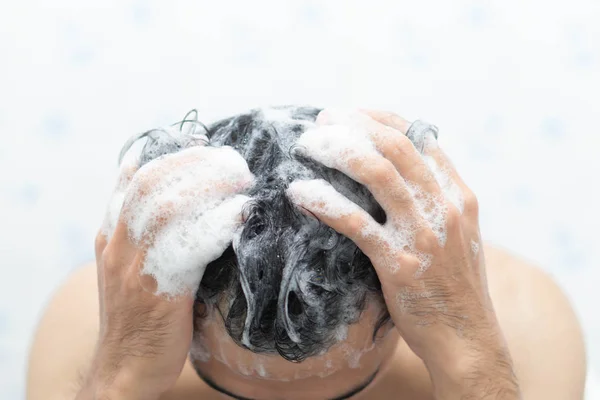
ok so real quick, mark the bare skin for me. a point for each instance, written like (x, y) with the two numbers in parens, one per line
(539, 325)
(519, 338)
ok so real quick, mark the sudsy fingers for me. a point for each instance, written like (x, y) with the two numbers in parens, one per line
(188, 243)
(332, 208)
(385, 245)
(395, 147)
(198, 177)
(457, 190)
(181, 211)
(389, 118)
(128, 169)
(352, 152)
(354, 144)
(444, 172)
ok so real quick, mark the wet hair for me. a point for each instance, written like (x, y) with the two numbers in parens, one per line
(289, 284)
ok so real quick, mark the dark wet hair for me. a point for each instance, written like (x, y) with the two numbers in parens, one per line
(290, 282)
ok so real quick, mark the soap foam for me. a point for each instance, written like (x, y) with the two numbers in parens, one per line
(432, 208)
(341, 136)
(343, 116)
(450, 189)
(177, 205)
(257, 365)
(130, 161)
(341, 332)
(198, 349)
(353, 355)
(474, 247)
(334, 145)
(319, 195)
(182, 249)
(281, 119)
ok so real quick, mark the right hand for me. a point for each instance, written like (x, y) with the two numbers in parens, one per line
(144, 338)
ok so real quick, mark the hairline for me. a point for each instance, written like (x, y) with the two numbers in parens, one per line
(355, 390)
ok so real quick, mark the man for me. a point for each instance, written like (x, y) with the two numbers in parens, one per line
(329, 260)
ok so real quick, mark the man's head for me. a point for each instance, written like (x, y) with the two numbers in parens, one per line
(291, 299)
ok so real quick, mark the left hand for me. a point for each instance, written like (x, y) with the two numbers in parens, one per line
(145, 336)
(428, 255)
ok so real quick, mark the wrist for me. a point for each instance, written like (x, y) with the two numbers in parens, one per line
(475, 373)
(116, 385)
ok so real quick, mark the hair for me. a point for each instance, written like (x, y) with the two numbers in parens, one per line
(291, 282)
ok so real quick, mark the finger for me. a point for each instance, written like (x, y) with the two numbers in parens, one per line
(443, 162)
(200, 163)
(389, 119)
(431, 147)
(415, 133)
(320, 199)
(166, 168)
(197, 180)
(393, 145)
(455, 189)
(437, 161)
(100, 245)
(352, 153)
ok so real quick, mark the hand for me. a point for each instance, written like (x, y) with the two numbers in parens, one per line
(428, 254)
(144, 335)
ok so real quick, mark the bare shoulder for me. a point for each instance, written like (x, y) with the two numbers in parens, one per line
(65, 338)
(540, 326)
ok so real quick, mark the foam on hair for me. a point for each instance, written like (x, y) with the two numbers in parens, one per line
(290, 280)
(286, 283)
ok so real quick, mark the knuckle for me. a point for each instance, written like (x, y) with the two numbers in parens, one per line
(401, 145)
(389, 265)
(109, 256)
(109, 261)
(427, 240)
(131, 281)
(100, 243)
(355, 225)
(116, 257)
(380, 172)
(471, 203)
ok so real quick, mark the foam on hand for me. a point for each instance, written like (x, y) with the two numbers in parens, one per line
(432, 208)
(450, 189)
(341, 136)
(182, 208)
(181, 250)
(334, 145)
(130, 162)
(319, 195)
(474, 248)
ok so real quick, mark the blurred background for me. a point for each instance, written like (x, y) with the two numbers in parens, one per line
(513, 85)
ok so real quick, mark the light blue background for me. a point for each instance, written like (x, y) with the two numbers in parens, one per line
(513, 84)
